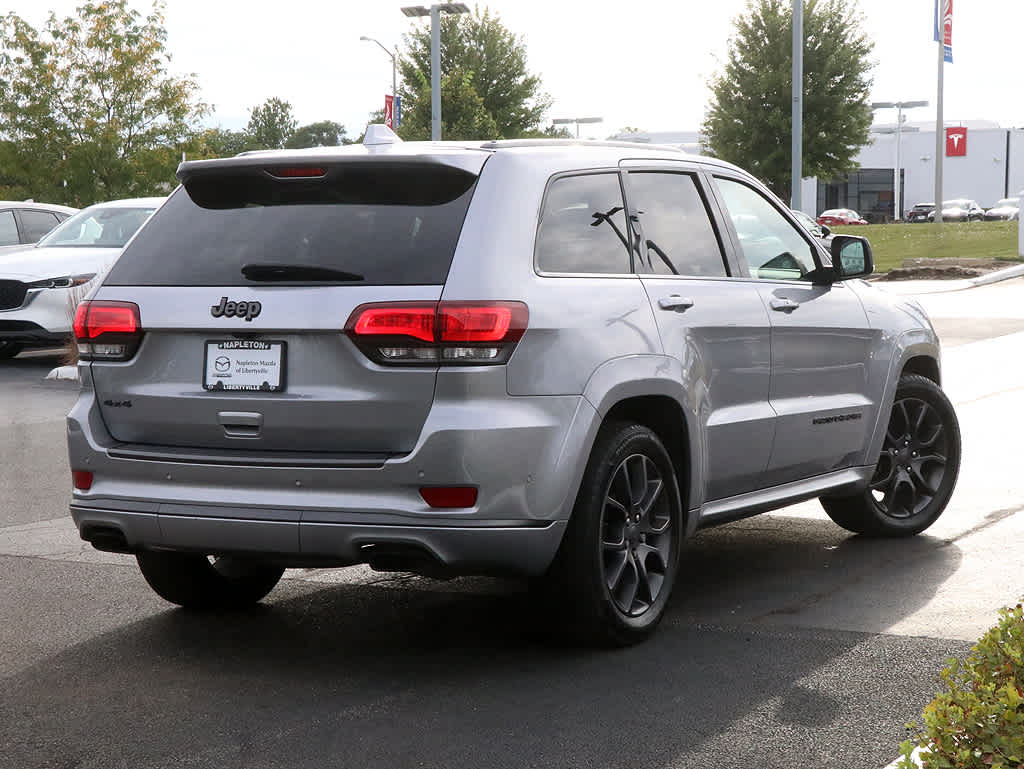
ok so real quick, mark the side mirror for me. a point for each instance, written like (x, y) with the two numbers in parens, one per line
(851, 257)
(825, 230)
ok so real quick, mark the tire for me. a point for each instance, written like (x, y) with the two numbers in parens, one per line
(916, 472)
(197, 582)
(617, 564)
(9, 349)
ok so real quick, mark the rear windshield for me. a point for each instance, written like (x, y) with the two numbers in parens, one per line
(376, 224)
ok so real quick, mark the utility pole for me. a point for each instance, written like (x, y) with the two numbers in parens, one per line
(798, 99)
(940, 148)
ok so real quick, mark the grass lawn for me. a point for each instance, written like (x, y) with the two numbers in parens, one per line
(892, 243)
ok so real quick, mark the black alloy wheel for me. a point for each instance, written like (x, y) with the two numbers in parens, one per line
(916, 470)
(913, 460)
(636, 540)
(613, 575)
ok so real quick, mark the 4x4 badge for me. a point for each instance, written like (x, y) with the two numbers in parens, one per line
(247, 310)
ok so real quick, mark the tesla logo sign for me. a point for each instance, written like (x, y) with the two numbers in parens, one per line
(956, 142)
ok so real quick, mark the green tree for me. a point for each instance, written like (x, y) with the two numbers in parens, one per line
(463, 115)
(749, 120)
(271, 123)
(220, 143)
(90, 102)
(493, 93)
(326, 133)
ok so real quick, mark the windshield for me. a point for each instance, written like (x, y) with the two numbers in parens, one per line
(98, 227)
(924, 206)
(1011, 202)
(962, 203)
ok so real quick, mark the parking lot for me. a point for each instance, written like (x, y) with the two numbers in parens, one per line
(790, 643)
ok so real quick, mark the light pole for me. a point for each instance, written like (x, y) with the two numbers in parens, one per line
(434, 12)
(899, 107)
(577, 121)
(797, 139)
(394, 63)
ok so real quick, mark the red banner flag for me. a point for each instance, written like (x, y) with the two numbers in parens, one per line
(956, 142)
(389, 111)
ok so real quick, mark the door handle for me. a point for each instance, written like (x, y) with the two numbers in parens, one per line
(781, 304)
(675, 302)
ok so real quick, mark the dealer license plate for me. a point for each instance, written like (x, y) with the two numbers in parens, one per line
(244, 364)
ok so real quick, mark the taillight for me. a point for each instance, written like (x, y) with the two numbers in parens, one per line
(107, 330)
(443, 333)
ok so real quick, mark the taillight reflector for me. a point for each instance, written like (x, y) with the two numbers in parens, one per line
(449, 496)
(82, 479)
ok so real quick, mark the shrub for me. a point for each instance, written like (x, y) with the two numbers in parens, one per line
(978, 721)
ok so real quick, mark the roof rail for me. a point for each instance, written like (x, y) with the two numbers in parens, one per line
(512, 143)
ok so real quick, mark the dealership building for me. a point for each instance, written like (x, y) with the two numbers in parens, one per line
(983, 163)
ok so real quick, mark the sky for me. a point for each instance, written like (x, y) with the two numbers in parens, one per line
(640, 63)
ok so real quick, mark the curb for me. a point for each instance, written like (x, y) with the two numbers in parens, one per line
(67, 373)
(943, 286)
(998, 275)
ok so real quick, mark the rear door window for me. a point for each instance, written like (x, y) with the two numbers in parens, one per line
(674, 221)
(37, 224)
(583, 226)
(386, 224)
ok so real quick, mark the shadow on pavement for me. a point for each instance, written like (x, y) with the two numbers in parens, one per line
(376, 677)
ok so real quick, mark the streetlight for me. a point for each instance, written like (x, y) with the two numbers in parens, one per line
(394, 63)
(899, 106)
(577, 121)
(434, 12)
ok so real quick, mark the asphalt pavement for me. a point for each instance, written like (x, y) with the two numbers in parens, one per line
(789, 643)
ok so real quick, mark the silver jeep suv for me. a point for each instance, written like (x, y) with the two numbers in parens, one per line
(537, 358)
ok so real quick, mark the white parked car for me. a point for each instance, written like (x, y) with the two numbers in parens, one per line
(40, 286)
(1007, 208)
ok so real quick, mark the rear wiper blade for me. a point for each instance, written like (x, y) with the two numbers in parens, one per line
(285, 272)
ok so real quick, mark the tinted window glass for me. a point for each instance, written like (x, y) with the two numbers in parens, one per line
(37, 224)
(393, 224)
(583, 226)
(675, 224)
(8, 229)
(772, 246)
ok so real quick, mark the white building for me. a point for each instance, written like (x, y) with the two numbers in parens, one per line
(992, 168)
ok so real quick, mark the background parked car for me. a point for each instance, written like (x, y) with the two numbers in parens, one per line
(41, 286)
(1007, 208)
(922, 212)
(842, 217)
(961, 210)
(24, 223)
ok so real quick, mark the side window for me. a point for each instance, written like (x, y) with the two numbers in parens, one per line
(583, 226)
(37, 224)
(772, 246)
(8, 229)
(675, 224)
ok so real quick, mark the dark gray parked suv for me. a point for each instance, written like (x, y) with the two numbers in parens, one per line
(548, 359)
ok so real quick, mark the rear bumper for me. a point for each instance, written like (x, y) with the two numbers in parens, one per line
(523, 550)
(525, 455)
